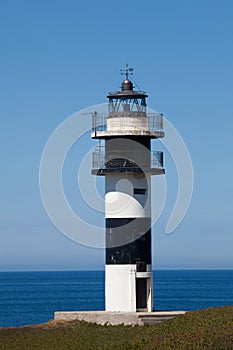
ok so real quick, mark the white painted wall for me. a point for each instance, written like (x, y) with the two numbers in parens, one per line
(120, 294)
(128, 121)
(120, 200)
(120, 288)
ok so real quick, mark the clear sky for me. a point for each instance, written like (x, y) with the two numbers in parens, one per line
(58, 57)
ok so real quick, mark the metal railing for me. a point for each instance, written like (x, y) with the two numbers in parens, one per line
(125, 160)
(156, 159)
(99, 122)
(155, 121)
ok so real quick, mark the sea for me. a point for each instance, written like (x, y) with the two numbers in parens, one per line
(32, 297)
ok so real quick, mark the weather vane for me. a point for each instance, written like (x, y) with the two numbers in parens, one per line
(127, 71)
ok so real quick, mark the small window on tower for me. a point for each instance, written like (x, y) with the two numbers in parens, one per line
(139, 191)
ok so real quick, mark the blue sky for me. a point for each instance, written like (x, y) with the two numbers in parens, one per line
(58, 57)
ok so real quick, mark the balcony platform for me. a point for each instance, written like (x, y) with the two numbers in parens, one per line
(124, 161)
(116, 318)
(127, 123)
(105, 171)
(121, 133)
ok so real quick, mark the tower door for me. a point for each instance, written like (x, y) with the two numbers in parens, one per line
(141, 294)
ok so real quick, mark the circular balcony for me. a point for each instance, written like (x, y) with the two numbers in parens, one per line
(126, 161)
(127, 123)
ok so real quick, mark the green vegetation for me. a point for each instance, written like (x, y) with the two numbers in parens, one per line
(210, 329)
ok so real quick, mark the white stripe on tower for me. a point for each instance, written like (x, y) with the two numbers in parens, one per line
(127, 195)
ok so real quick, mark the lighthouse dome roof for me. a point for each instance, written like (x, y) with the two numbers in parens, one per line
(127, 85)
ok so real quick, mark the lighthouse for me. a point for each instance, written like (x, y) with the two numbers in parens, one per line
(125, 157)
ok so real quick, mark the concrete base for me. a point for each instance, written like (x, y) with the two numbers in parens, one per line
(116, 318)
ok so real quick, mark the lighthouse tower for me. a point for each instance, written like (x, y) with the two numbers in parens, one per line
(125, 158)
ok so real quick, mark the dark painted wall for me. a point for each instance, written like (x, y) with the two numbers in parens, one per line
(137, 232)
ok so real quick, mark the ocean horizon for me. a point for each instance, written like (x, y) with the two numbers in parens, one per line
(32, 297)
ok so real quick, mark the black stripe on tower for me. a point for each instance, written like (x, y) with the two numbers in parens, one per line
(113, 143)
(128, 154)
(134, 230)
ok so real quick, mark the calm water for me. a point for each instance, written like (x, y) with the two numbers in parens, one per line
(32, 297)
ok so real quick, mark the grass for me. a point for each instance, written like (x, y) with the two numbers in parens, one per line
(210, 329)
